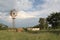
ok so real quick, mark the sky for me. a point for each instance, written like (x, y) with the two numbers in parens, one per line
(28, 11)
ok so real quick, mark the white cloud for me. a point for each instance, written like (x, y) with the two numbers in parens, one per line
(52, 5)
(48, 7)
(5, 17)
(24, 15)
(23, 4)
(6, 5)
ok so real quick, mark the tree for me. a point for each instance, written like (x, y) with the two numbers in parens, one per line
(46, 25)
(42, 23)
(54, 20)
(3, 26)
(36, 26)
(0, 26)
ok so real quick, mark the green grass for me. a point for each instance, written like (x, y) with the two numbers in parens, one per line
(4, 35)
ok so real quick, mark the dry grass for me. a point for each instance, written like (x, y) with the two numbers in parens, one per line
(4, 35)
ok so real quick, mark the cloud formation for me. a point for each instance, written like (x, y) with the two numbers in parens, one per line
(7, 5)
(28, 10)
(24, 15)
(24, 4)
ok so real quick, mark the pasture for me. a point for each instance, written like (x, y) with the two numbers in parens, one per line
(4, 35)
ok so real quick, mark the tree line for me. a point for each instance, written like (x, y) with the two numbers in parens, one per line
(52, 21)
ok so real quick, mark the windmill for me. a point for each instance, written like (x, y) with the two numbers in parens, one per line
(13, 14)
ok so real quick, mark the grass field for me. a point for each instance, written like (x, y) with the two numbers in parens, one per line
(4, 35)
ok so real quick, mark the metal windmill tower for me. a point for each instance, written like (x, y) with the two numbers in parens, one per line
(13, 14)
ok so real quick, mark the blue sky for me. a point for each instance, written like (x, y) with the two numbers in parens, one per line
(29, 11)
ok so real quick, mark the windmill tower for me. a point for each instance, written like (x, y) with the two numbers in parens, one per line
(13, 14)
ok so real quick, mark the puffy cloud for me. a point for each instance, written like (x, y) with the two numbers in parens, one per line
(48, 7)
(7, 5)
(5, 17)
(23, 5)
(24, 15)
(52, 5)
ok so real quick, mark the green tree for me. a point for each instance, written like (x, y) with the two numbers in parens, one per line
(0, 26)
(3, 26)
(46, 25)
(54, 20)
(36, 26)
(41, 23)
